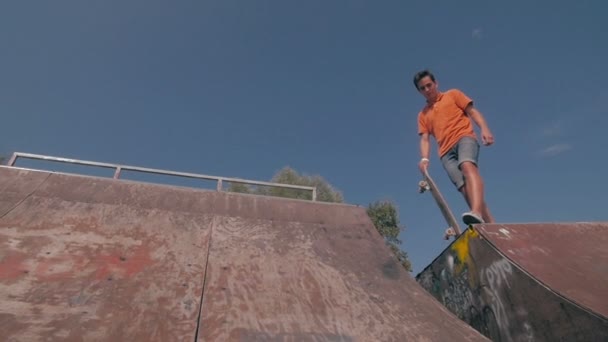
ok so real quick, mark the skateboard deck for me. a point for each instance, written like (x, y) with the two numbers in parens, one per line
(427, 184)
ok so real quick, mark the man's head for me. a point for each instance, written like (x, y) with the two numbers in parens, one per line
(426, 85)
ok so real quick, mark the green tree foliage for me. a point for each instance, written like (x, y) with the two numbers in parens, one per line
(386, 220)
(240, 188)
(287, 175)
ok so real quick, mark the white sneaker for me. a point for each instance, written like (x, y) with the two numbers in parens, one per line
(471, 218)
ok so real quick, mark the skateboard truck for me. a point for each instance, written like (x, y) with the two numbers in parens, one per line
(423, 186)
(427, 184)
(449, 232)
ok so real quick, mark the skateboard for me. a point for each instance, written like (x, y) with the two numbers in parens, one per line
(427, 184)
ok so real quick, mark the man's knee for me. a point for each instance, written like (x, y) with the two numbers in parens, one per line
(468, 164)
(469, 168)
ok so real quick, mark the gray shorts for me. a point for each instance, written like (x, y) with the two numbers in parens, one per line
(467, 149)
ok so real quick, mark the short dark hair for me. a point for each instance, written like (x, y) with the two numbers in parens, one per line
(422, 74)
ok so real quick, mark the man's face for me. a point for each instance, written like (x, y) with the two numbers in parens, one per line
(428, 88)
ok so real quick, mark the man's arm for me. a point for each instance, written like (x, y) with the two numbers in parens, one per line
(425, 148)
(486, 135)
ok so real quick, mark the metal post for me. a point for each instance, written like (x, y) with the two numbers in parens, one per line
(314, 194)
(219, 184)
(117, 172)
(13, 159)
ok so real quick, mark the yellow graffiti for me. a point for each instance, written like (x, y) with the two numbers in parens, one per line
(462, 250)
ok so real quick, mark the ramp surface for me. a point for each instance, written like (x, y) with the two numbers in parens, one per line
(84, 258)
(526, 282)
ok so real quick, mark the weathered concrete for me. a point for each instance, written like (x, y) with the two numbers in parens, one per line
(85, 258)
(526, 282)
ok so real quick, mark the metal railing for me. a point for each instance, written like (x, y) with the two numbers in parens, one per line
(119, 168)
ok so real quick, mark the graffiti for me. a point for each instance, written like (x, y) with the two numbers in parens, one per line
(462, 250)
(428, 281)
(472, 292)
(457, 295)
(497, 273)
(476, 279)
(528, 332)
(497, 309)
(492, 278)
(484, 321)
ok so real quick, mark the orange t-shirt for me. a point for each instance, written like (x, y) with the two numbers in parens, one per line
(446, 120)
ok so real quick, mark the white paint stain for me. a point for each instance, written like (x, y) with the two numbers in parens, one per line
(450, 262)
(505, 232)
(540, 250)
(528, 332)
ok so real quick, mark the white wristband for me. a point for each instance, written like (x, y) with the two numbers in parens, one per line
(425, 159)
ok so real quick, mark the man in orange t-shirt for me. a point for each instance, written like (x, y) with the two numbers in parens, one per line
(447, 117)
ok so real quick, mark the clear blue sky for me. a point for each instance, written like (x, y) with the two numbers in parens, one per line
(243, 88)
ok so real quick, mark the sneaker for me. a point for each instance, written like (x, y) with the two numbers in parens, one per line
(471, 218)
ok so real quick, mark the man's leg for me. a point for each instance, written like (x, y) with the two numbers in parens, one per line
(466, 149)
(473, 186)
(463, 191)
(452, 166)
(473, 191)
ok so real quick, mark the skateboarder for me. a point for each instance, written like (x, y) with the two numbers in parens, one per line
(448, 116)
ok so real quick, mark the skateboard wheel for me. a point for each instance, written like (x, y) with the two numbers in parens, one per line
(449, 232)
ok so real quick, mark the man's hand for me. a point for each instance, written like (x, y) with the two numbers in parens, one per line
(423, 165)
(487, 138)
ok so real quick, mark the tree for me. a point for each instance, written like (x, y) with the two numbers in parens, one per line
(325, 191)
(386, 220)
(240, 188)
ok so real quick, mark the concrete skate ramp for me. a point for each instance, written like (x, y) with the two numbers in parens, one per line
(526, 282)
(92, 259)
